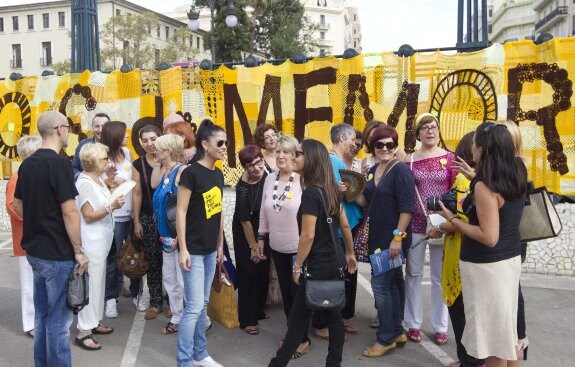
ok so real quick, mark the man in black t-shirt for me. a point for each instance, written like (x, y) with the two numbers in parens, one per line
(45, 197)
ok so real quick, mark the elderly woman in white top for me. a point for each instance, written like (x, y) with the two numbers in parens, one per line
(97, 230)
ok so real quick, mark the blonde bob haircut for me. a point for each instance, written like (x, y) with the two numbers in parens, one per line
(28, 145)
(288, 143)
(515, 135)
(93, 157)
(172, 143)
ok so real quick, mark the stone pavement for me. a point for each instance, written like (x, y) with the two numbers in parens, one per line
(550, 304)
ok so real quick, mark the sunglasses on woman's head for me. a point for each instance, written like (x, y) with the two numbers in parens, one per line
(222, 142)
(380, 145)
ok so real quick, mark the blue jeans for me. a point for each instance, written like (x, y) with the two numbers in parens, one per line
(192, 342)
(388, 306)
(115, 278)
(53, 317)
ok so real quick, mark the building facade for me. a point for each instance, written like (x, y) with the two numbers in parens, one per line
(34, 37)
(511, 20)
(555, 17)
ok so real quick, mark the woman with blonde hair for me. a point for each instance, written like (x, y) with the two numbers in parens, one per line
(27, 145)
(97, 230)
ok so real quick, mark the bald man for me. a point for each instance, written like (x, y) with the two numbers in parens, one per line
(44, 197)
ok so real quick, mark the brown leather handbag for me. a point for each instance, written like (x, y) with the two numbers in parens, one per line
(132, 260)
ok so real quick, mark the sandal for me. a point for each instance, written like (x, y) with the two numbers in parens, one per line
(350, 329)
(441, 338)
(81, 342)
(374, 324)
(414, 335)
(169, 329)
(306, 350)
(252, 330)
(102, 330)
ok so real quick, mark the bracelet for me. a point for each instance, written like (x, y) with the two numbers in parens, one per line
(438, 228)
(452, 218)
(254, 247)
(398, 233)
(108, 209)
(261, 236)
(296, 269)
(397, 238)
(79, 252)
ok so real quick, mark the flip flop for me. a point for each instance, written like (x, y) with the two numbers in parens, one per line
(306, 350)
(350, 329)
(81, 342)
(252, 330)
(169, 329)
(102, 330)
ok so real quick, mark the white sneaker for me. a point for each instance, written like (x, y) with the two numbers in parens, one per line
(208, 323)
(111, 309)
(140, 303)
(207, 362)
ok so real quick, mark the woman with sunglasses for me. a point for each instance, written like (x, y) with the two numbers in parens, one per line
(281, 199)
(316, 251)
(252, 268)
(200, 231)
(432, 169)
(490, 260)
(391, 188)
(266, 137)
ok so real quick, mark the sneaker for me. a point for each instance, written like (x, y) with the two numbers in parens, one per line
(140, 303)
(111, 309)
(207, 362)
(208, 323)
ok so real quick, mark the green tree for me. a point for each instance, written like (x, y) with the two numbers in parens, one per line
(230, 42)
(179, 48)
(127, 40)
(282, 29)
(62, 67)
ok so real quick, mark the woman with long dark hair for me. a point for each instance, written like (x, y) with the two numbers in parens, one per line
(490, 260)
(200, 231)
(316, 250)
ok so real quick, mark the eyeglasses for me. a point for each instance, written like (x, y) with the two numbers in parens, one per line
(431, 128)
(380, 145)
(66, 126)
(271, 136)
(254, 164)
(222, 142)
(357, 145)
(298, 153)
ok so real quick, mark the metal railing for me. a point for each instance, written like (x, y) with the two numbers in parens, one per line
(16, 63)
(560, 10)
(323, 26)
(46, 61)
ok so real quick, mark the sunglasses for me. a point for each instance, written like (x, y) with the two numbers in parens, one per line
(380, 145)
(222, 142)
(298, 153)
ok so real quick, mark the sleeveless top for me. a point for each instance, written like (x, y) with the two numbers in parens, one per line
(160, 200)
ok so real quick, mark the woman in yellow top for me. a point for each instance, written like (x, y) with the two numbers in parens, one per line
(451, 280)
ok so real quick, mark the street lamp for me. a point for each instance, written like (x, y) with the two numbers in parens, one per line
(231, 20)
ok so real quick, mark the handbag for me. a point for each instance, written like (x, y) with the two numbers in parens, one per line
(360, 240)
(132, 260)
(78, 290)
(171, 207)
(222, 306)
(539, 219)
(147, 187)
(326, 294)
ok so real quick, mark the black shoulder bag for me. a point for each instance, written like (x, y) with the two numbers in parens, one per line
(327, 294)
(172, 205)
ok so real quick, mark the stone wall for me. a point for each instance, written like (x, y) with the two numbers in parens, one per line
(555, 256)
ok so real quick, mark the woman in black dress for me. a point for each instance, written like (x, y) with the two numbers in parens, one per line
(252, 267)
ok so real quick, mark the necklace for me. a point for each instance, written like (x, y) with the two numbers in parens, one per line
(279, 202)
(254, 198)
(168, 173)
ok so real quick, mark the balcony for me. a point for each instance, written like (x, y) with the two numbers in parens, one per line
(539, 4)
(324, 42)
(552, 18)
(16, 63)
(46, 61)
(323, 26)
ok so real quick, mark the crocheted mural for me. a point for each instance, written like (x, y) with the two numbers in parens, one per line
(531, 85)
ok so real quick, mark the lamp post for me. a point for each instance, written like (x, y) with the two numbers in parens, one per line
(231, 20)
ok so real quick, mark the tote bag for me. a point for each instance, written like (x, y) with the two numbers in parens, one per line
(223, 306)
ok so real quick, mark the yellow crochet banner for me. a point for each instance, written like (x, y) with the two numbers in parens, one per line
(531, 85)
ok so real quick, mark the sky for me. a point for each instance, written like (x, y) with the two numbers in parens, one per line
(385, 24)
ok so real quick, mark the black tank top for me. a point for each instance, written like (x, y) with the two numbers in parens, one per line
(509, 244)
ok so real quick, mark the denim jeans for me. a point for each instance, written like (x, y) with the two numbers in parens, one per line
(53, 317)
(387, 302)
(192, 342)
(115, 278)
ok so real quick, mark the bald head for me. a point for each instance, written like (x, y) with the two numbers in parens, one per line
(171, 119)
(47, 122)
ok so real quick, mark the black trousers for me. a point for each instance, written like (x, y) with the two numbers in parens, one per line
(457, 316)
(253, 283)
(297, 328)
(284, 270)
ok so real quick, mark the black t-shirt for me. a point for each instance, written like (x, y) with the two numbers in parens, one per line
(509, 244)
(45, 181)
(395, 195)
(205, 208)
(146, 202)
(322, 261)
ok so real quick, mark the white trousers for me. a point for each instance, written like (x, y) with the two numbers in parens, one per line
(174, 283)
(413, 315)
(26, 293)
(93, 312)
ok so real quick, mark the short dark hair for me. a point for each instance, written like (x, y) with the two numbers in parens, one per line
(367, 130)
(260, 131)
(248, 153)
(150, 128)
(463, 149)
(383, 132)
(101, 114)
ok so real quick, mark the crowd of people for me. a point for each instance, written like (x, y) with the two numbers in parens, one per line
(288, 198)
